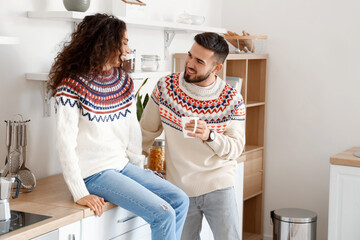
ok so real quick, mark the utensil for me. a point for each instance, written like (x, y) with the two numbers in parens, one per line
(5, 170)
(28, 180)
(14, 156)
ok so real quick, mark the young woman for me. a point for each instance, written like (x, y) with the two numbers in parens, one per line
(98, 135)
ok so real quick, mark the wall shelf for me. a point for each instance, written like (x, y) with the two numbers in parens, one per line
(135, 75)
(9, 40)
(131, 22)
(169, 28)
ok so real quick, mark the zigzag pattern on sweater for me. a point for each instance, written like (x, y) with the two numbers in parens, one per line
(104, 99)
(98, 118)
(174, 103)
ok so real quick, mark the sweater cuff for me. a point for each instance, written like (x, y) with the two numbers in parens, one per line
(136, 159)
(216, 144)
(78, 190)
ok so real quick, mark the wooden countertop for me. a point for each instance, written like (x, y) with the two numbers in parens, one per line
(346, 158)
(50, 197)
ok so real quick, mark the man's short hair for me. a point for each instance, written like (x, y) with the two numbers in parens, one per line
(215, 43)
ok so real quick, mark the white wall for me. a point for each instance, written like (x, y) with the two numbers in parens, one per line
(41, 39)
(313, 109)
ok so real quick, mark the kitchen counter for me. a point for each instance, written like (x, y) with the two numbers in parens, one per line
(51, 197)
(346, 158)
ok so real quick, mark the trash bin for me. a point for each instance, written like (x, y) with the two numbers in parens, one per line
(293, 224)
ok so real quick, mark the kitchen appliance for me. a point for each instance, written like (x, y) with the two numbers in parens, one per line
(19, 220)
(5, 193)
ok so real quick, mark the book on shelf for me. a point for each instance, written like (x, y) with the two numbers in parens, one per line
(235, 82)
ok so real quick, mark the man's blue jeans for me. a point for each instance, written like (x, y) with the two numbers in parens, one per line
(157, 201)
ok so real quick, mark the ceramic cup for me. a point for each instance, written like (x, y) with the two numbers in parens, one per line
(185, 120)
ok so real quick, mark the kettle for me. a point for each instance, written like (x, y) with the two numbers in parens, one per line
(5, 193)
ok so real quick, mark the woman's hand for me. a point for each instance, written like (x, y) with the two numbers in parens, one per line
(94, 202)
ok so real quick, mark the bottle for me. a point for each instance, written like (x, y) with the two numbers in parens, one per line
(129, 62)
(156, 160)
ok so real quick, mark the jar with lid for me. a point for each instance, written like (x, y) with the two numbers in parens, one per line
(129, 62)
(156, 159)
(150, 63)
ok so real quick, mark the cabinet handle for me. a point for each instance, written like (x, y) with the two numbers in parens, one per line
(72, 237)
(126, 219)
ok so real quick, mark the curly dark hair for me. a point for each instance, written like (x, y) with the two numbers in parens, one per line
(96, 39)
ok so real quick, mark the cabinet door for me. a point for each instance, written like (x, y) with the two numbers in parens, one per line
(53, 235)
(70, 232)
(141, 233)
(344, 203)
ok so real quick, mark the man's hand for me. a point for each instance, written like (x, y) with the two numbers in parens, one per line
(94, 202)
(202, 130)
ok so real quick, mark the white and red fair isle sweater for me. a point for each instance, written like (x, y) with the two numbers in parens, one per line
(96, 127)
(195, 166)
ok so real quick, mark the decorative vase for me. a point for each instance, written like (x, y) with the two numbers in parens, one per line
(77, 5)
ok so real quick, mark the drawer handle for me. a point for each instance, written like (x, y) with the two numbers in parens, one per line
(126, 219)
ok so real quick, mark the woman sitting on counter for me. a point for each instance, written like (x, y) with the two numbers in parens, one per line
(98, 135)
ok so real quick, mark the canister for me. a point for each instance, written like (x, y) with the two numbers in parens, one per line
(156, 160)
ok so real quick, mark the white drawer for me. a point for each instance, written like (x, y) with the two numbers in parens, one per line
(141, 233)
(111, 224)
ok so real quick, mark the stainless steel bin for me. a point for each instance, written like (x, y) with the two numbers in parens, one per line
(293, 224)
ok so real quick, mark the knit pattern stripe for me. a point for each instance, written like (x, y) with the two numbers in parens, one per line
(106, 98)
(217, 112)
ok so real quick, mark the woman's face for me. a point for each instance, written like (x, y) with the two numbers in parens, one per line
(125, 50)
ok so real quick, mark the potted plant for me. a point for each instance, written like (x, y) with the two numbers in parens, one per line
(140, 103)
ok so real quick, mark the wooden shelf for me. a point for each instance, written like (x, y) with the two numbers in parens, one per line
(8, 40)
(254, 104)
(72, 16)
(135, 75)
(252, 148)
(252, 196)
(251, 236)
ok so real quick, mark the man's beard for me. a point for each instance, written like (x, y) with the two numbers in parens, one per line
(196, 79)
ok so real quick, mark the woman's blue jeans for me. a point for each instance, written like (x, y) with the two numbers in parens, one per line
(157, 201)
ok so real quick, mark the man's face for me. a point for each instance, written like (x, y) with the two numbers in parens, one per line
(199, 64)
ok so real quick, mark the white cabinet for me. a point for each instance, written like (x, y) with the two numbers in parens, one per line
(344, 203)
(53, 235)
(141, 233)
(70, 232)
(112, 224)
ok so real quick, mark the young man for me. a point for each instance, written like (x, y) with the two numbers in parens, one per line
(203, 166)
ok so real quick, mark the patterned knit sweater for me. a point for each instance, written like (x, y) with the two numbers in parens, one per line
(96, 127)
(195, 166)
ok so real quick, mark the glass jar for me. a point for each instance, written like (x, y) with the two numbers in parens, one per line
(150, 63)
(156, 159)
(129, 62)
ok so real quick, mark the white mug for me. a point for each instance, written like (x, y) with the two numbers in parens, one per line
(185, 120)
